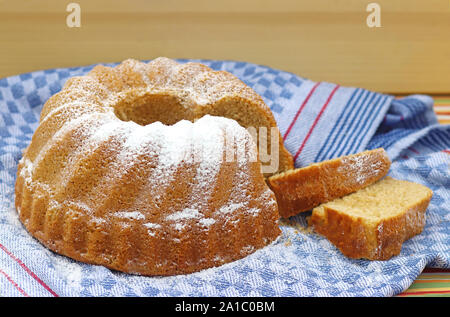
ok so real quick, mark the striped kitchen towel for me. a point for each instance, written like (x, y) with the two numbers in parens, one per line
(318, 121)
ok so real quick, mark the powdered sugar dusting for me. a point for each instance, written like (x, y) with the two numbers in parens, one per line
(362, 165)
(152, 227)
(27, 169)
(187, 213)
(207, 222)
(179, 226)
(135, 215)
(71, 271)
(228, 209)
(253, 211)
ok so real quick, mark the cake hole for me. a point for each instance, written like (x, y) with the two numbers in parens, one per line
(145, 108)
(151, 108)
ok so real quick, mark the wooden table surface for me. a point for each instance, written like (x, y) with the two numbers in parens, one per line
(323, 40)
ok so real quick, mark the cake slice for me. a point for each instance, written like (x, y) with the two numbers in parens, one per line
(304, 188)
(374, 222)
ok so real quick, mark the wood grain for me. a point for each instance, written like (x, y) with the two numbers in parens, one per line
(322, 40)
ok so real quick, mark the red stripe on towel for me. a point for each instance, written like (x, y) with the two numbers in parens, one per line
(315, 122)
(300, 110)
(14, 284)
(31, 273)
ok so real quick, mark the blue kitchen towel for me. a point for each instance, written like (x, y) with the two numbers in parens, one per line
(318, 121)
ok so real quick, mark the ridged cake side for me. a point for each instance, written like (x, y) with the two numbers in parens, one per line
(137, 198)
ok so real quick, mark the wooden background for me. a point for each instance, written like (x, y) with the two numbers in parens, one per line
(322, 39)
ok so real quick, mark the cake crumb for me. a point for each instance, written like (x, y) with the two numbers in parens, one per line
(288, 242)
(298, 228)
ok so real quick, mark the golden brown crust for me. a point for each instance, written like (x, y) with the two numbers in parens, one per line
(357, 237)
(87, 171)
(305, 188)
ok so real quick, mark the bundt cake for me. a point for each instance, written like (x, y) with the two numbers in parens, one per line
(127, 170)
